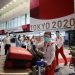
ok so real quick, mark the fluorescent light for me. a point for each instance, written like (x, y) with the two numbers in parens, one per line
(10, 3)
(14, 0)
(7, 5)
(4, 7)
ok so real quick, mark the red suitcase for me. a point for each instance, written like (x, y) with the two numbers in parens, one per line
(19, 53)
(18, 58)
(18, 64)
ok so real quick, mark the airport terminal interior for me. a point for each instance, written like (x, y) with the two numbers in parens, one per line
(29, 30)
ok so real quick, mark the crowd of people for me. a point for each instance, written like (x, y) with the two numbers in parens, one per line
(20, 41)
(40, 48)
(52, 50)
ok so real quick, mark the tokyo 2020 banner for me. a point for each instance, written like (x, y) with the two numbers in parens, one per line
(52, 15)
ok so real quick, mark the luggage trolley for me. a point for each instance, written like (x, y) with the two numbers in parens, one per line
(39, 65)
(39, 68)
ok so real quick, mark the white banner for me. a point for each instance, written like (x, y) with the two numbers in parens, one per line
(63, 23)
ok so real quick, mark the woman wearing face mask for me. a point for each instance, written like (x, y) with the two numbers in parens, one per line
(49, 54)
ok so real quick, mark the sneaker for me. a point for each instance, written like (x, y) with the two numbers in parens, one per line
(65, 64)
(57, 68)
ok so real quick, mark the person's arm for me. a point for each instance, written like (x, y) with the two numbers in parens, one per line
(52, 55)
(4, 41)
(62, 41)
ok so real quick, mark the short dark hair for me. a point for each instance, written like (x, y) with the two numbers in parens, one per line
(47, 33)
(57, 31)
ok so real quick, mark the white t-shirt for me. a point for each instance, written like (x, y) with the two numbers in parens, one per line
(7, 40)
(59, 42)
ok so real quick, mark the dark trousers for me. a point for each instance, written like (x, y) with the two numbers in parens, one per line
(7, 46)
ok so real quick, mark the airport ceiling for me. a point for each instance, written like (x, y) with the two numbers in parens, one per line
(8, 5)
(4, 2)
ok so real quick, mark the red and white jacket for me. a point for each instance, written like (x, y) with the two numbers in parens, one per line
(49, 53)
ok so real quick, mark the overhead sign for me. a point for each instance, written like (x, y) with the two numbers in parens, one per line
(67, 22)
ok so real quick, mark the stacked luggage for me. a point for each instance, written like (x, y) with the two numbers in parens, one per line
(18, 57)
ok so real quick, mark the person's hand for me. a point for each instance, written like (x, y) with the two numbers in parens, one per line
(48, 67)
(45, 63)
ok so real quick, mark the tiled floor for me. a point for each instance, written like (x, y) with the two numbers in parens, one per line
(66, 70)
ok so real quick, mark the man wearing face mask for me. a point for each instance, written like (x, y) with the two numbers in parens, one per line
(49, 54)
(59, 47)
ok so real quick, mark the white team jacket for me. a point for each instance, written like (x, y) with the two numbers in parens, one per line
(49, 53)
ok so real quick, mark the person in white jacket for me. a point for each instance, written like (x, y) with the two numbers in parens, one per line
(60, 47)
(7, 42)
(49, 54)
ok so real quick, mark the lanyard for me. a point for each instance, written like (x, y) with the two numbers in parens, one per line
(47, 47)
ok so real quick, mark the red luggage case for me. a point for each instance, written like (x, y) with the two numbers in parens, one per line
(19, 53)
(13, 64)
(18, 58)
